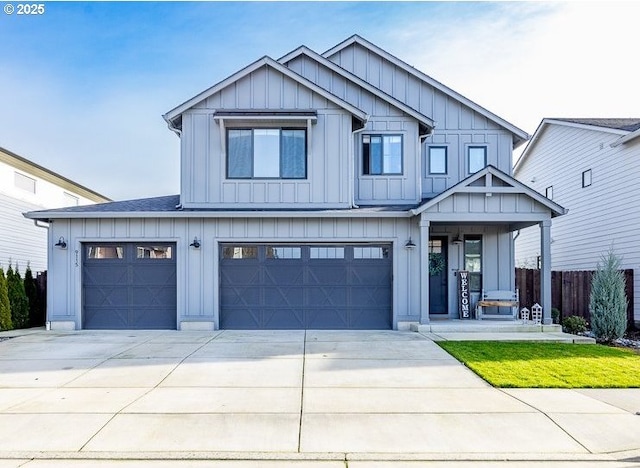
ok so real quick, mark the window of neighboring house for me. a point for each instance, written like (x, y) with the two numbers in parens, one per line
(266, 153)
(24, 182)
(473, 261)
(548, 192)
(586, 178)
(382, 154)
(437, 160)
(70, 200)
(477, 158)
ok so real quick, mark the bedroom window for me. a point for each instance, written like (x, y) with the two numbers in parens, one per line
(477, 158)
(437, 160)
(266, 153)
(382, 154)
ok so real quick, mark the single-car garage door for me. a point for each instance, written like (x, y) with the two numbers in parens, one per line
(129, 286)
(305, 286)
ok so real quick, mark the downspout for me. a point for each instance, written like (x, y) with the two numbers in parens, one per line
(352, 165)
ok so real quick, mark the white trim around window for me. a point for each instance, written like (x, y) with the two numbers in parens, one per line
(476, 158)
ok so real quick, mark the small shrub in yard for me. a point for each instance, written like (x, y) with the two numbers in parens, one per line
(5, 306)
(17, 299)
(574, 325)
(555, 315)
(31, 291)
(608, 301)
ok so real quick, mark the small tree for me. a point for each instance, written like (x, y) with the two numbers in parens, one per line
(608, 301)
(31, 290)
(5, 306)
(17, 299)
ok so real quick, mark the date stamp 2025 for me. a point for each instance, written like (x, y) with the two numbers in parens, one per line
(24, 9)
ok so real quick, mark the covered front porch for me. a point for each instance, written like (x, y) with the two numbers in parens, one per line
(470, 227)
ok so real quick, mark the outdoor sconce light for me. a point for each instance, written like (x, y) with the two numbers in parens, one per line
(409, 245)
(61, 243)
(195, 244)
(457, 240)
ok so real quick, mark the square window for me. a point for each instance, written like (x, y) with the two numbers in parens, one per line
(266, 153)
(24, 182)
(437, 160)
(586, 178)
(477, 158)
(382, 154)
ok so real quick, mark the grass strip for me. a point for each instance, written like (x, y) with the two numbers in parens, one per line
(548, 365)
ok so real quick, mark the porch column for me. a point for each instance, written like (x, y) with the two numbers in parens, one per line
(545, 271)
(424, 271)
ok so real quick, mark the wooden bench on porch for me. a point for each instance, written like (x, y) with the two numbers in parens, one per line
(498, 299)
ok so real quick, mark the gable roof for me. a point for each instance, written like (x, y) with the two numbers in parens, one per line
(508, 185)
(520, 135)
(24, 165)
(303, 50)
(627, 128)
(171, 117)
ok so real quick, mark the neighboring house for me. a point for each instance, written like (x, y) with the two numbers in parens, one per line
(26, 186)
(592, 167)
(340, 191)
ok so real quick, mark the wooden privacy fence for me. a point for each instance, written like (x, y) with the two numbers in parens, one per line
(570, 291)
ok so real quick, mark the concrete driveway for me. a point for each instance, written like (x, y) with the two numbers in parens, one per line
(315, 397)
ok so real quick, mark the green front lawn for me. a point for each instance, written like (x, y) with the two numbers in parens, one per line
(548, 365)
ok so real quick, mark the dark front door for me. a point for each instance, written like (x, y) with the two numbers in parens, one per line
(129, 286)
(438, 275)
(305, 286)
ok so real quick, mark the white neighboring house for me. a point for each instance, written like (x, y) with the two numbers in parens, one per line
(591, 167)
(26, 186)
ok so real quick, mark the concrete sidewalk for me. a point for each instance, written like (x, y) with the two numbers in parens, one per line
(314, 399)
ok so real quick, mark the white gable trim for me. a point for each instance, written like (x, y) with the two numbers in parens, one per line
(428, 122)
(265, 61)
(514, 186)
(547, 122)
(625, 139)
(521, 135)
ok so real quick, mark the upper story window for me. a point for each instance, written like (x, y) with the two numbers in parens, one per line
(24, 182)
(266, 153)
(437, 160)
(476, 158)
(382, 154)
(549, 192)
(586, 178)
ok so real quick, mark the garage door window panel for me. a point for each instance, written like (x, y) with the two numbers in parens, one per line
(154, 252)
(98, 252)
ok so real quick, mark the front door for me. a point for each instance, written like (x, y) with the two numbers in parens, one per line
(438, 275)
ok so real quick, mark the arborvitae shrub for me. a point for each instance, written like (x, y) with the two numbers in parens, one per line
(5, 306)
(608, 300)
(17, 299)
(31, 290)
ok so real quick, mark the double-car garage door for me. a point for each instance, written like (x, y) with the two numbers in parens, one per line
(305, 286)
(133, 286)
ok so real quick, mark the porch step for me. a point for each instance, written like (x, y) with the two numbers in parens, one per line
(484, 326)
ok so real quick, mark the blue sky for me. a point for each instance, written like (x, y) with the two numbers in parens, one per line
(83, 86)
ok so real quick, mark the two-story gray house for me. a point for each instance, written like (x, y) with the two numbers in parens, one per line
(591, 166)
(341, 190)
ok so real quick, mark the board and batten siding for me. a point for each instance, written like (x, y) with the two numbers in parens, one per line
(203, 157)
(197, 269)
(600, 216)
(456, 124)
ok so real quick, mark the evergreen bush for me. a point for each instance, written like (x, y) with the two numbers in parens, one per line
(31, 291)
(5, 306)
(17, 299)
(608, 301)
(574, 324)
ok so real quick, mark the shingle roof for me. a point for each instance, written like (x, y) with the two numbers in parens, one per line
(629, 125)
(166, 203)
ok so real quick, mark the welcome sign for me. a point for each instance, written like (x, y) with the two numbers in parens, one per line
(463, 294)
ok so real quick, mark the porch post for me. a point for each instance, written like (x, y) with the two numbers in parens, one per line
(424, 271)
(545, 271)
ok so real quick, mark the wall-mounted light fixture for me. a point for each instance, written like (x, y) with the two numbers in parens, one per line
(409, 245)
(457, 240)
(61, 243)
(195, 244)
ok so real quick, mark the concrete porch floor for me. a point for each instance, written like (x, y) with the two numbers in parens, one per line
(496, 330)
